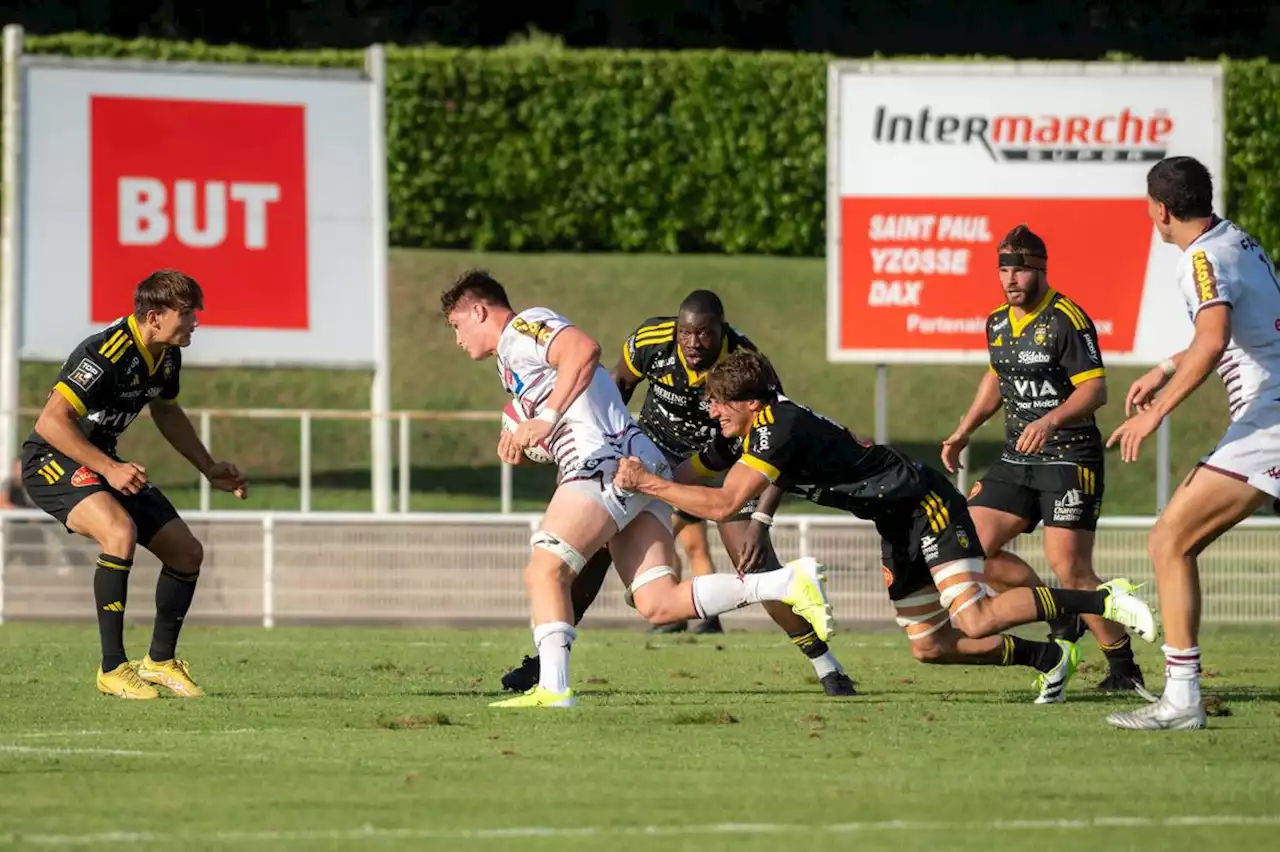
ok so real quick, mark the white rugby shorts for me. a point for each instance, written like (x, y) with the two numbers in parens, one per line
(1250, 451)
(594, 478)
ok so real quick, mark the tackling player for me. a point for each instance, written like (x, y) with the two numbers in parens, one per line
(932, 556)
(1232, 295)
(673, 354)
(573, 407)
(1046, 370)
(71, 470)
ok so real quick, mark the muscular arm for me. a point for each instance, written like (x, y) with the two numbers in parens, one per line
(176, 428)
(1086, 399)
(715, 504)
(575, 356)
(58, 425)
(770, 500)
(986, 402)
(625, 378)
(1213, 333)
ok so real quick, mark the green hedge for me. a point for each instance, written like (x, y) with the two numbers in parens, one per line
(533, 149)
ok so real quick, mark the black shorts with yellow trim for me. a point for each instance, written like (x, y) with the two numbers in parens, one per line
(1059, 494)
(743, 514)
(918, 536)
(57, 485)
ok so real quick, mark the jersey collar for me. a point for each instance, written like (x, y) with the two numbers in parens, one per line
(696, 378)
(151, 363)
(1017, 325)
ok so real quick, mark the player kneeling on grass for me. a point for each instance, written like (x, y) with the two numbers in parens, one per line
(574, 409)
(933, 559)
(71, 470)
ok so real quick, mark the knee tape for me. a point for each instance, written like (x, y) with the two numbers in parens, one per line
(565, 552)
(646, 577)
(972, 567)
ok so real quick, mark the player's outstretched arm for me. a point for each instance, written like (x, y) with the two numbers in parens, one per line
(1213, 333)
(176, 428)
(1145, 388)
(58, 424)
(715, 504)
(986, 402)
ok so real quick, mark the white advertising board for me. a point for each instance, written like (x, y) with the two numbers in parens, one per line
(931, 163)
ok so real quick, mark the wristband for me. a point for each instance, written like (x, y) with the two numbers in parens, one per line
(1168, 367)
(550, 415)
(767, 520)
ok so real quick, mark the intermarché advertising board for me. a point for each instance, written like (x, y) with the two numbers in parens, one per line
(931, 164)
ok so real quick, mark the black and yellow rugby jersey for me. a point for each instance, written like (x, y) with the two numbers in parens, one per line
(110, 378)
(1039, 360)
(813, 456)
(674, 413)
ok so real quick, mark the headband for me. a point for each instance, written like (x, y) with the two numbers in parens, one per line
(1027, 261)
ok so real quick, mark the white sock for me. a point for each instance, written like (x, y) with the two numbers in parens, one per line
(826, 664)
(553, 641)
(1182, 676)
(714, 594)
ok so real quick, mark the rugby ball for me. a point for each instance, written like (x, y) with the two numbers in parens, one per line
(512, 416)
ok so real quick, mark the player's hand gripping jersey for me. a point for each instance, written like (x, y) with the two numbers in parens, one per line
(1227, 266)
(596, 428)
(674, 414)
(1039, 360)
(109, 378)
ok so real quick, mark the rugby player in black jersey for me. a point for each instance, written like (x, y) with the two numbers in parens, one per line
(673, 353)
(932, 559)
(72, 471)
(1047, 372)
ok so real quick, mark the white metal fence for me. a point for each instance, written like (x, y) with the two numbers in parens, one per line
(444, 568)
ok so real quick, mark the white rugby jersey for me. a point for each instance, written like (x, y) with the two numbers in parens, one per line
(1227, 266)
(596, 426)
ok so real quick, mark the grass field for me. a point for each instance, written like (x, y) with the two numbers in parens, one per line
(381, 739)
(780, 303)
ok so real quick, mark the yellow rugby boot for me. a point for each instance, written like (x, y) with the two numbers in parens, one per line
(807, 596)
(123, 682)
(173, 675)
(539, 696)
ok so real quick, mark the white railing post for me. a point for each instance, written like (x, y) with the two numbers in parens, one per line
(304, 460)
(962, 475)
(506, 488)
(804, 537)
(404, 461)
(1163, 465)
(268, 571)
(4, 559)
(206, 432)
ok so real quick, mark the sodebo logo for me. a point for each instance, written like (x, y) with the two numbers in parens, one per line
(215, 189)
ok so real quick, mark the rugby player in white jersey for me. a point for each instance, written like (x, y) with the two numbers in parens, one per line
(1233, 297)
(575, 409)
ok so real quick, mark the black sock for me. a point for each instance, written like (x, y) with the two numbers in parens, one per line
(587, 584)
(110, 592)
(174, 592)
(1068, 628)
(809, 643)
(1053, 603)
(1120, 656)
(1041, 656)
